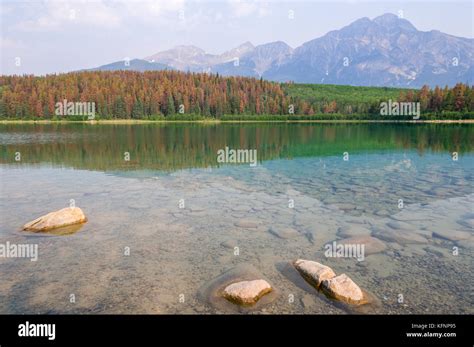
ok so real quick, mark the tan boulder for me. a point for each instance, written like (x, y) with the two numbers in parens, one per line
(57, 219)
(247, 292)
(342, 288)
(313, 272)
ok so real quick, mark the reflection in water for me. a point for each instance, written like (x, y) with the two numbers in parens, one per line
(63, 231)
(178, 146)
(142, 251)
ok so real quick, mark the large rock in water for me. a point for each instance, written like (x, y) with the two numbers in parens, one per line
(212, 292)
(57, 219)
(344, 289)
(247, 292)
(313, 272)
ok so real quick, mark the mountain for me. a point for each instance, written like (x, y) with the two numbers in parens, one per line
(385, 51)
(256, 61)
(134, 64)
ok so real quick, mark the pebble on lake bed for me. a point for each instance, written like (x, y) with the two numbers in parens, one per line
(314, 272)
(342, 288)
(57, 219)
(247, 292)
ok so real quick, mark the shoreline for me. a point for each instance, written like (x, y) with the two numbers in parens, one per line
(218, 121)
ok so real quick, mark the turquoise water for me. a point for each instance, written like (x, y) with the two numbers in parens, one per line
(164, 224)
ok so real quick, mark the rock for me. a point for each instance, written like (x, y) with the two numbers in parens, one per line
(240, 208)
(353, 230)
(313, 272)
(197, 209)
(229, 244)
(466, 244)
(283, 233)
(434, 252)
(247, 292)
(398, 225)
(451, 235)
(468, 223)
(401, 237)
(307, 301)
(172, 227)
(382, 213)
(345, 206)
(371, 244)
(57, 219)
(247, 223)
(344, 289)
(211, 292)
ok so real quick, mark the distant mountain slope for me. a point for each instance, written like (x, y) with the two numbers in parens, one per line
(134, 65)
(386, 51)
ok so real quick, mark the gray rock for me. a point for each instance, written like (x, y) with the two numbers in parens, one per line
(451, 235)
(401, 237)
(283, 233)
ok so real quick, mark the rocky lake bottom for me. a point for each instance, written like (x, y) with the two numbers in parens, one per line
(164, 242)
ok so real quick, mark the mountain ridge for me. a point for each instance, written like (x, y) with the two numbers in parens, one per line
(386, 51)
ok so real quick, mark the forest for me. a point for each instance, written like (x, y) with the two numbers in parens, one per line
(174, 95)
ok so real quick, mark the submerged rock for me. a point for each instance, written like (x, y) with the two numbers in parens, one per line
(371, 244)
(229, 244)
(353, 230)
(313, 272)
(247, 292)
(468, 223)
(402, 237)
(57, 219)
(399, 225)
(345, 206)
(451, 235)
(213, 292)
(467, 244)
(248, 224)
(283, 233)
(344, 289)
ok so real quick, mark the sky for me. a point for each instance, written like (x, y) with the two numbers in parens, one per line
(41, 36)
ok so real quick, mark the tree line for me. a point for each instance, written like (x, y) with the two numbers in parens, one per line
(145, 95)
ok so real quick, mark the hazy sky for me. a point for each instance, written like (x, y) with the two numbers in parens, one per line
(59, 36)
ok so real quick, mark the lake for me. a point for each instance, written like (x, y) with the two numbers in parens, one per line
(166, 217)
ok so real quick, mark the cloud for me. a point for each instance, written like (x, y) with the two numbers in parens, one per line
(10, 44)
(53, 15)
(50, 15)
(244, 8)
